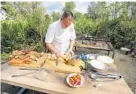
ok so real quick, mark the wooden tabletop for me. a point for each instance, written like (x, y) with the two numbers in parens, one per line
(55, 83)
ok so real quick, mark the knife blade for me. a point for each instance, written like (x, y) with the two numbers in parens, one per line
(19, 75)
(28, 68)
(57, 61)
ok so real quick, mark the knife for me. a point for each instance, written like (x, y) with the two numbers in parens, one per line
(57, 61)
(22, 74)
(107, 74)
(28, 68)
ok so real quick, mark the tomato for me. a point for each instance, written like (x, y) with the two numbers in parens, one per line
(72, 83)
(71, 80)
(75, 80)
(79, 83)
(78, 76)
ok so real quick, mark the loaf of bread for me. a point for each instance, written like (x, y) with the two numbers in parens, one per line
(27, 59)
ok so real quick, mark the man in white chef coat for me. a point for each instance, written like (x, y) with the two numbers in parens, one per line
(61, 36)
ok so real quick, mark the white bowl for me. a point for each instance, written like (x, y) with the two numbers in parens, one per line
(105, 59)
(72, 74)
(98, 65)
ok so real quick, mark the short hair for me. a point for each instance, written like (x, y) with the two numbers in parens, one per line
(66, 14)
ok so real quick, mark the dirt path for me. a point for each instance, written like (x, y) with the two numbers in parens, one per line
(127, 67)
(125, 64)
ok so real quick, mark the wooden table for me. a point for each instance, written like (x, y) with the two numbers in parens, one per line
(56, 84)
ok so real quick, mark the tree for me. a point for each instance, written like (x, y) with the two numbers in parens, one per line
(114, 10)
(69, 6)
(131, 10)
(84, 25)
(55, 15)
(98, 11)
(92, 10)
(24, 25)
(77, 15)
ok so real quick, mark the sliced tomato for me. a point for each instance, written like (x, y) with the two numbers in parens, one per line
(79, 83)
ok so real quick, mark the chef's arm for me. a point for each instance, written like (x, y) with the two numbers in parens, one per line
(52, 49)
(72, 42)
(70, 50)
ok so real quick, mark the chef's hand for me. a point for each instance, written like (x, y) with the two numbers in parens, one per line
(58, 54)
(72, 52)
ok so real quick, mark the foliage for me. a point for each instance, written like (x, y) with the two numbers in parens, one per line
(26, 23)
(55, 16)
(69, 6)
(115, 21)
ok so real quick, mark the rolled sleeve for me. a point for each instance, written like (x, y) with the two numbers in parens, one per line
(50, 34)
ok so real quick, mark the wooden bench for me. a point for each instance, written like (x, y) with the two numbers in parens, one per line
(108, 46)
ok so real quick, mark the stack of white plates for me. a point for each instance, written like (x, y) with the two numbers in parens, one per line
(105, 59)
(98, 65)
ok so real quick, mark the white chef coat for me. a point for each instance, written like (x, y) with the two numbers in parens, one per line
(60, 37)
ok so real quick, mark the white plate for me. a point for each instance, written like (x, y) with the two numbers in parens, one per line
(105, 59)
(97, 65)
(72, 74)
(91, 56)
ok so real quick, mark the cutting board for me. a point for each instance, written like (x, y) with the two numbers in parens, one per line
(62, 67)
(18, 62)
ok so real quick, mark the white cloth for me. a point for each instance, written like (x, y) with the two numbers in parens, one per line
(60, 37)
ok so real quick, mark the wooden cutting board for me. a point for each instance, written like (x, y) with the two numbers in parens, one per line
(20, 63)
(62, 67)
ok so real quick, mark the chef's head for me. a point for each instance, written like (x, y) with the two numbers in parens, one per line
(66, 19)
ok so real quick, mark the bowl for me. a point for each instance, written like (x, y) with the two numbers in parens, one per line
(70, 76)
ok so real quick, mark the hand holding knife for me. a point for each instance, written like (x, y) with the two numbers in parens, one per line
(57, 61)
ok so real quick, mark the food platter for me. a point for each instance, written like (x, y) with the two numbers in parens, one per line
(27, 59)
(33, 59)
(75, 80)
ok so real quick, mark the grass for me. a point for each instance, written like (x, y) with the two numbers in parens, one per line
(4, 57)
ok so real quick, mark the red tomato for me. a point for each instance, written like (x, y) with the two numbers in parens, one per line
(79, 83)
(75, 80)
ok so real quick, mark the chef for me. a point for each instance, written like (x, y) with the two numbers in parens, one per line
(61, 36)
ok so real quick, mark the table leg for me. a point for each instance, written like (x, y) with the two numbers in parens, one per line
(21, 91)
(113, 54)
(108, 52)
(5, 93)
(75, 49)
